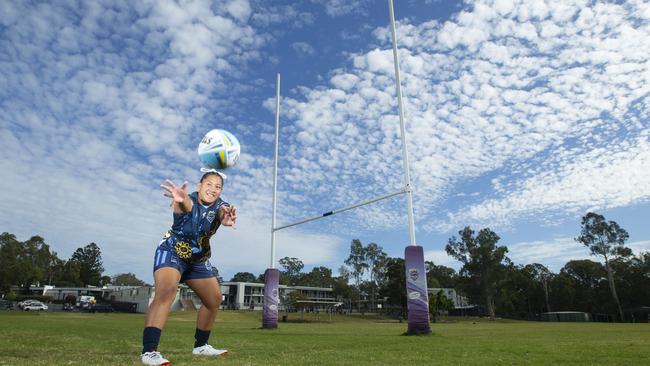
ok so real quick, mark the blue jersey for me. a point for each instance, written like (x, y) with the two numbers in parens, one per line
(191, 231)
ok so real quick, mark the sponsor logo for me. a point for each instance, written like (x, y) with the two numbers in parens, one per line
(414, 295)
(274, 293)
(414, 274)
(273, 307)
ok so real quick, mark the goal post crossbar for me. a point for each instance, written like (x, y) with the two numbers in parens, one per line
(329, 213)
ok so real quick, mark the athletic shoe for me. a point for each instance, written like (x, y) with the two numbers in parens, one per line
(154, 359)
(208, 350)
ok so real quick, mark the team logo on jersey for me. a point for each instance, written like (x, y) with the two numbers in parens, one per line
(208, 266)
(211, 216)
(183, 249)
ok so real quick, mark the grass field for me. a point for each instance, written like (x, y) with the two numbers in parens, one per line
(32, 339)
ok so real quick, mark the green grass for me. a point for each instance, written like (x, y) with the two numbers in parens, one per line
(33, 339)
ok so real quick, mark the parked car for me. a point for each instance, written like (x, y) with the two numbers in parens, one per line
(23, 303)
(6, 304)
(34, 306)
(101, 308)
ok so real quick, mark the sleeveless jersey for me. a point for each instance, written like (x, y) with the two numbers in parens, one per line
(190, 234)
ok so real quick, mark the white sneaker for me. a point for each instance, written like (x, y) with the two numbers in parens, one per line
(154, 359)
(208, 350)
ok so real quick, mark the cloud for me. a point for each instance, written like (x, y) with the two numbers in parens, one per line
(336, 8)
(303, 48)
(239, 9)
(548, 101)
(440, 258)
(101, 102)
(266, 14)
(251, 245)
(557, 252)
(605, 177)
(539, 101)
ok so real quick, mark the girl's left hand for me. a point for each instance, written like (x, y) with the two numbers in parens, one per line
(228, 216)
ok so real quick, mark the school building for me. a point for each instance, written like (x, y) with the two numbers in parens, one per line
(235, 296)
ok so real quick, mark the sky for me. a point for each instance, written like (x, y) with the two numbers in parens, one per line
(520, 116)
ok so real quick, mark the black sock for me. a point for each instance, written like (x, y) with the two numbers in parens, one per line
(150, 339)
(201, 337)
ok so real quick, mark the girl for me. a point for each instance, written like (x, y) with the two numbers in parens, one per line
(182, 256)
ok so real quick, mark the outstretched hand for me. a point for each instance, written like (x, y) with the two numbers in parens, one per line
(177, 194)
(228, 216)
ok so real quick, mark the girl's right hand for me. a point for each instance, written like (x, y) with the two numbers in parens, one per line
(177, 194)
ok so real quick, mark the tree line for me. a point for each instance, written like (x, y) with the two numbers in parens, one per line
(368, 276)
(487, 277)
(33, 262)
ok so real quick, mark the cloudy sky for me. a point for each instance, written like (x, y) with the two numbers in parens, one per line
(521, 116)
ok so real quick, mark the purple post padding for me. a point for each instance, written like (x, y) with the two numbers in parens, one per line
(417, 299)
(271, 298)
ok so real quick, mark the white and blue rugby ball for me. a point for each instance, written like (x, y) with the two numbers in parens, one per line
(219, 149)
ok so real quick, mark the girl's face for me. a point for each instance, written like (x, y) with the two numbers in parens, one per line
(210, 189)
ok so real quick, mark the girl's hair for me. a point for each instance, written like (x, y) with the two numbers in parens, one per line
(209, 174)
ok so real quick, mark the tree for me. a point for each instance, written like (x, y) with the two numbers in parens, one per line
(445, 276)
(71, 274)
(294, 300)
(518, 293)
(243, 277)
(482, 260)
(375, 257)
(393, 288)
(127, 279)
(57, 272)
(292, 267)
(341, 288)
(217, 275)
(564, 293)
(439, 302)
(53, 267)
(36, 260)
(542, 275)
(605, 239)
(261, 278)
(318, 277)
(633, 280)
(105, 280)
(24, 263)
(90, 264)
(10, 269)
(357, 262)
(586, 279)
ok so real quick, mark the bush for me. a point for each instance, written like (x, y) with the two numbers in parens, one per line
(70, 299)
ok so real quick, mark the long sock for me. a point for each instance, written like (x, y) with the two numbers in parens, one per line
(201, 337)
(150, 339)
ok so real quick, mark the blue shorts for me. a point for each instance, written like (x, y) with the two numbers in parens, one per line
(167, 257)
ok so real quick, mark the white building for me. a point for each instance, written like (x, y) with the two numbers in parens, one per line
(236, 295)
(249, 295)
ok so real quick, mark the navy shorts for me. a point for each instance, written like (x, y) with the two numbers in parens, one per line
(167, 257)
